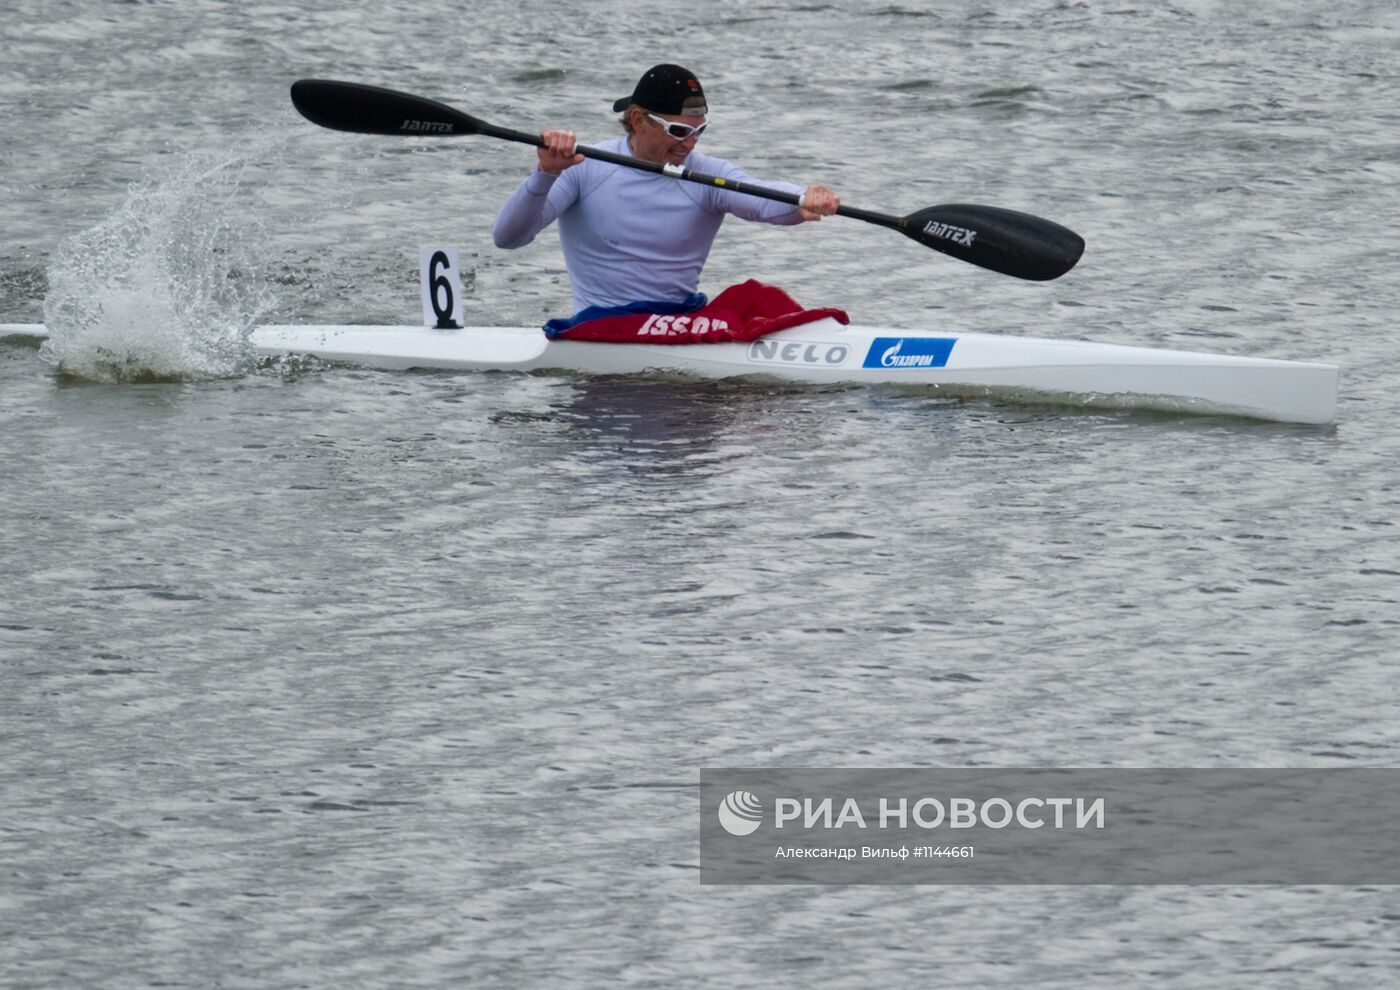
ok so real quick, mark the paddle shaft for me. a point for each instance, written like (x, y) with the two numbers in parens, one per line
(689, 175)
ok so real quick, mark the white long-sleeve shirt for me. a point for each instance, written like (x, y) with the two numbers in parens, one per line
(630, 235)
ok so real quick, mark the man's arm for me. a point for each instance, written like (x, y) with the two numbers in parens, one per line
(532, 208)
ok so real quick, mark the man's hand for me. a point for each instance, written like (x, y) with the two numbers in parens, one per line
(558, 152)
(818, 202)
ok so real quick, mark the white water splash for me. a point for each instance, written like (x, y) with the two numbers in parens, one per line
(168, 287)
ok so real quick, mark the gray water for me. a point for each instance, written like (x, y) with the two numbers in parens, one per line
(316, 676)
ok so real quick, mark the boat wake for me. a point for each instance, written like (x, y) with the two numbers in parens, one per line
(167, 287)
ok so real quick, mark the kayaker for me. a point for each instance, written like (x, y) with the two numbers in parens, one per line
(629, 235)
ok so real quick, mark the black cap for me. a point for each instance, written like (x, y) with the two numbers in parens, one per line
(667, 89)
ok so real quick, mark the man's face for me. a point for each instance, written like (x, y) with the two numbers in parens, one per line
(652, 143)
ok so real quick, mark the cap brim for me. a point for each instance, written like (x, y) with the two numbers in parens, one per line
(622, 104)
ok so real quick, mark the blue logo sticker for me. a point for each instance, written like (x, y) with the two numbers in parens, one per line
(909, 352)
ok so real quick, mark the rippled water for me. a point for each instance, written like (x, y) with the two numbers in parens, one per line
(322, 676)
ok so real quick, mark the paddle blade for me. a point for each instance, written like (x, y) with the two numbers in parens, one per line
(346, 106)
(1002, 240)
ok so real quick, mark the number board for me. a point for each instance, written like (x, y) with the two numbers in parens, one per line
(442, 287)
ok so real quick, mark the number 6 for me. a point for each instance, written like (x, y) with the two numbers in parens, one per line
(442, 287)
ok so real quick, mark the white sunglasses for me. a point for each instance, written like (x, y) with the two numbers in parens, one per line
(677, 130)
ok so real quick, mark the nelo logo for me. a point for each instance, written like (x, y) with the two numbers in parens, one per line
(741, 813)
(799, 352)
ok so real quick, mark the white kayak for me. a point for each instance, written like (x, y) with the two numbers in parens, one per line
(825, 352)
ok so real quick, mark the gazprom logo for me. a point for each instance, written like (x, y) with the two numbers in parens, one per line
(909, 352)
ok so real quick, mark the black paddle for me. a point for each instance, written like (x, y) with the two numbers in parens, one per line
(1002, 240)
